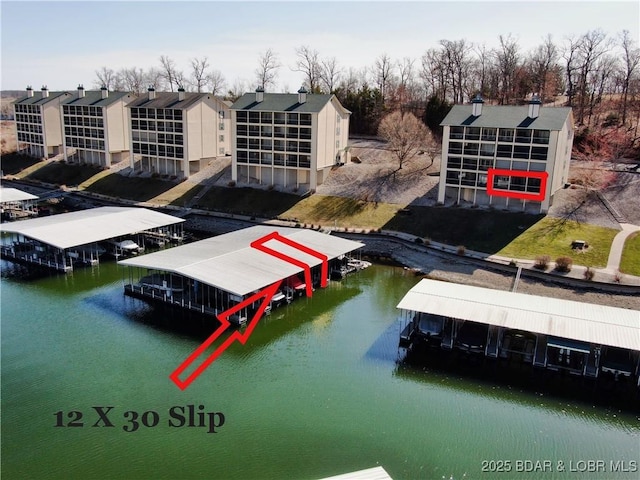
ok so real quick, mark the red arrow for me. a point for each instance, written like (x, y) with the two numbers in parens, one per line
(266, 293)
(242, 337)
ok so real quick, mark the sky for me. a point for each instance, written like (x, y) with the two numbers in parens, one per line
(62, 44)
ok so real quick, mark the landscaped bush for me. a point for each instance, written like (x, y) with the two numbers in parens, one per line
(418, 240)
(563, 264)
(232, 183)
(461, 250)
(542, 262)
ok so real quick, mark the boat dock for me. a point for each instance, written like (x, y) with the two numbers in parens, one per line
(61, 242)
(584, 340)
(215, 274)
(16, 204)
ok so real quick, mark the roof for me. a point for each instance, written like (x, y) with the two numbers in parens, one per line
(549, 118)
(282, 102)
(94, 98)
(229, 263)
(14, 195)
(598, 324)
(170, 100)
(72, 229)
(375, 473)
(38, 100)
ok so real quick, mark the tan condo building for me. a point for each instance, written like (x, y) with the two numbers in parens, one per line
(287, 140)
(96, 127)
(38, 122)
(178, 133)
(507, 157)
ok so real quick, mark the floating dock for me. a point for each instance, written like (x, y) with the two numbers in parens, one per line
(215, 274)
(582, 339)
(60, 242)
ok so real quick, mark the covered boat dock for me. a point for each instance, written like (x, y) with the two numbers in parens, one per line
(61, 241)
(212, 275)
(16, 204)
(583, 339)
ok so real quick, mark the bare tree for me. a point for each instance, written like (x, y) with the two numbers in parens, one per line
(216, 82)
(631, 59)
(105, 77)
(330, 74)
(570, 56)
(592, 46)
(309, 65)
(405, 134)
(383, 74)
(237, 90)
(508, 60)
(457, 63)
(199, 73)
(133, 80)
(170, 73)
(542, 64)
(267, 71)
(155, 78)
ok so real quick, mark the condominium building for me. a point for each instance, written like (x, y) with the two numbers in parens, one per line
(288, 140)
(96, 126)
(38, 122)
(178, 133)
(508, 157)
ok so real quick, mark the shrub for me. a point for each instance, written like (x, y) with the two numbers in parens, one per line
(418, 240)
(563, 264)
(461, 250)
(542, 262)
(513, 263)
(271, 187)
(232, 183)
(426, 241)
(589, 274)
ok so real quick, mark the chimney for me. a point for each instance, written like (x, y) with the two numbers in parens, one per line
(104, 92)
(181, 94)
(534, 106)
(45, 91)
(80, 91)
(259, 94)
(302, 95)
(152, 93)
(477, 106)
(29, 91)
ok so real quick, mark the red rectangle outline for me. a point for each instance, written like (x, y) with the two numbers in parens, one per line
(539, 197)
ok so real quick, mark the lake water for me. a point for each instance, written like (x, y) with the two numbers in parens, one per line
(317, 390)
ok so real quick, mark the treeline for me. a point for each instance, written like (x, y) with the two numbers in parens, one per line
(595, 73)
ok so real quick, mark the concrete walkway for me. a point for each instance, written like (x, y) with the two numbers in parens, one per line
(615, 253)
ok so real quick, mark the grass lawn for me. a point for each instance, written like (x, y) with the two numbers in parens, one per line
(553, 237)
(630, 262)
(482, 230)
(132, 188)
(63, 174)
(248, 201)
(12, 163)
(342, 212)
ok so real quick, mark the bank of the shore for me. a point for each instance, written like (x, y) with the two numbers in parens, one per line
(446, 266)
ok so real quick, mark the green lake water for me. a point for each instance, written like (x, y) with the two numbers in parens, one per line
(316, 391)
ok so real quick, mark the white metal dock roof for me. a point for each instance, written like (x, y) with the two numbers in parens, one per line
(228, 261)
(375, 473)
(585, 322)
(14, 195)
(72, 229)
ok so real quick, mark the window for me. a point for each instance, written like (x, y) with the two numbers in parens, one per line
(504, 151)
(279, 118)
(221, 126)
(221, 151)
(241, 156)
(454, 162)
(292, 118)
(221, 138)
(453, 177)
(337, 143)
(521, 151)
(221, 113)
(470, 163)
(523, 135)
(266, 117)
(541, 136)
(456, 133)
(489, 134)
(241, 143)
(487, 149)
(539, 153)
(472, 133)
(505, 135)
(241, 117)
(471, 148)
(455, 147)
(241, 130)
(305, 119)
(254, 117)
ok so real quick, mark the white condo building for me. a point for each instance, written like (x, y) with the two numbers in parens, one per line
(288, 140)
(508, 157)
